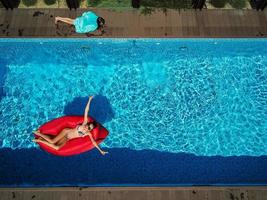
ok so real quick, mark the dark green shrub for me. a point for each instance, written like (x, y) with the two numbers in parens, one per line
(73, 4)
(50, 2)
(218, 3)
(147, 11)
(175, 4)
(29, 2)
(93, 3)
(238, 3)
(136, 3)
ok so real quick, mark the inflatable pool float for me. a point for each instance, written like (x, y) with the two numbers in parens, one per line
(76, 145)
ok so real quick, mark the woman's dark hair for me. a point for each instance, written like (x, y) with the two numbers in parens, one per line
(91, 123)
(100, 22)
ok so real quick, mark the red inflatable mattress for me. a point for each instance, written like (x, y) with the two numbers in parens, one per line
(73, 146)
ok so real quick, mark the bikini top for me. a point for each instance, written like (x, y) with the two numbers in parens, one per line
(80, 133)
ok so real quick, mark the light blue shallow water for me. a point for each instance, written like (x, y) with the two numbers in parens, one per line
(206, 97)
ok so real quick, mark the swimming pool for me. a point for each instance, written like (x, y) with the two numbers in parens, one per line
(203, 97)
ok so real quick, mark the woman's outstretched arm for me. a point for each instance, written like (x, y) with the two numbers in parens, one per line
(86, 111)
(96, 145)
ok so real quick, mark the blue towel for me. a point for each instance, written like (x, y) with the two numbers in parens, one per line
(86, 23)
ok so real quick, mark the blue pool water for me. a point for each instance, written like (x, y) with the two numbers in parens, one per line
(179, 111)
(204, 97)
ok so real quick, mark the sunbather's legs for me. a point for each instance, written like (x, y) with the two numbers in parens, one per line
(62, 134)
(54, 146)
(65, 20)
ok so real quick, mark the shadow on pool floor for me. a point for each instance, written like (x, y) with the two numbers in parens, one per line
(123, 166)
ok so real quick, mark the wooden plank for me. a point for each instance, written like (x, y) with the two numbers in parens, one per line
(194, 25)
(241, 22)
(263, 24)
(253, 23)
(227, 28)
(249, 23)
(219, 28)
(216, 195)
(20, 28)
(41, 22)
(212, 19)
(12, 23)
(189, 25)
(174, 22)
(179, 194)
(6, 25)
(28, 27)
(185, 29)
(2, 15)
(47, 21)
(51, 27)
(206, 23)
(38, 23)
(211, 23)
(22, 15)
(234, 23)
(233, 28)
(199, 16)
(133, 193)
(32, 22)
(265, 14)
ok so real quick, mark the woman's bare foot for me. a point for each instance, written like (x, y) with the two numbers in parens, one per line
(56, 20)
(39, 140)
(37, 132)
(36, 140)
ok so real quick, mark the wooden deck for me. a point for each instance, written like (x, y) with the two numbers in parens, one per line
(181, 23)
(131, 23)
(136, 193)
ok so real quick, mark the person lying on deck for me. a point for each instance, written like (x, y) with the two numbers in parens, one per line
(88, 22)
(67, 134)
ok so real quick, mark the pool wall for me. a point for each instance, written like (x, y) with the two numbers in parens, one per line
(124, 167)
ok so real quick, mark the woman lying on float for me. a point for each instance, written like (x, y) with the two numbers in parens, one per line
(57, 133)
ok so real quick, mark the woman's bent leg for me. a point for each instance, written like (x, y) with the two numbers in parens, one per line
(65, 20)
(54, 146)
(54, 140)
(46, 137)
